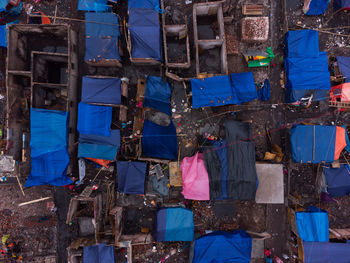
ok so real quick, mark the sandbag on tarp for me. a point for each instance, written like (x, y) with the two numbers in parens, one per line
(317, 143)
(195, 181)
(222, 247)
(48, 143)
(93, 5)
(101, 39)
(159, 141)
(341, 4)
(344, 66)
(145, 34)
(313, 225)
(315, 7)
(235, 88)
(101, 90)
(317, 252)
(151, 4)
(241, 170)
(338, 180)
(100, 253)
(301, 43)
(174, 224)
(157, 94)
(94, 119)
(215, 157)
(131, 177)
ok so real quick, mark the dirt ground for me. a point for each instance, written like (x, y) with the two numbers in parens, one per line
(43, 233)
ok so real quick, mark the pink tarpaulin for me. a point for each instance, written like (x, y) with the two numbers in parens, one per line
(195, 180)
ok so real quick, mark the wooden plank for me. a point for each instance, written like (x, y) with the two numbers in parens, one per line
(252, 10)
(175, 175)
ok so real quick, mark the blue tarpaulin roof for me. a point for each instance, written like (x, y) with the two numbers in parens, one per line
(131, 177)
(341, 4)
(338, 180)
(48, 143)
(101, 39)
(113, 139)
(100, 253)
(174, 224)
(222, 247)
(317, 7)
(303, 148)
(145, 33)
(301, 43)
(101, 90)
(94, 119)
(306, 67)
(157, 94)
(3, 33)
(316, 252)
(313, 225)
(236, 88)
(93, 5)
(97, 151)
(151, 4)
(159, 141)
(344, 66)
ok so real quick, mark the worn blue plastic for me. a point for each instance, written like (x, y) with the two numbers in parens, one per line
(157, 94)
(131, 177)
(317, 7)
(338, 180)
(100, 253)
(93, 5)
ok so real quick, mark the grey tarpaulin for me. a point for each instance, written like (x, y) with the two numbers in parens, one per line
(241, 171)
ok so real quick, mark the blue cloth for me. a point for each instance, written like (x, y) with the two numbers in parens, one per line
(157, 94)
(131, 177)
(313, 226)
(264, 92)
(341, 4)
(222, 247)
(221, 150)
(113, 140)
(150, 4)
(301, 43)
(236, 88)
(101, 90)
(302, 139)
(3, 33)
(101, 39)
(174, 224)
(316, 252)
(93, 5)
(317, 7)
(338, 180)
(159, 141)
(93, 119)
(344, 66)
(100, 253)
(145, 33)
(97, 151)
(48, 143)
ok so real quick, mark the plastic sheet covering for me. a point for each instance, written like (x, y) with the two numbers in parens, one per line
(313, 226)
(317, 143)
(316, 252)
(344, 66)
(145, 34)
(102, 39)
(301, 43)
(48, 143)
(93, 5)
(157, 94)
(113, 139)
(219, 246)
(341, 4)
(174, 224)
(151, 4)
(3, 33)
(131, 177)
(338, 180)
(317, 7)
(93, 119)
(159, 141)
(241, 170)
(100, 253)
(264, 92)
(101, 90)
(195, 181)
(97, 151)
